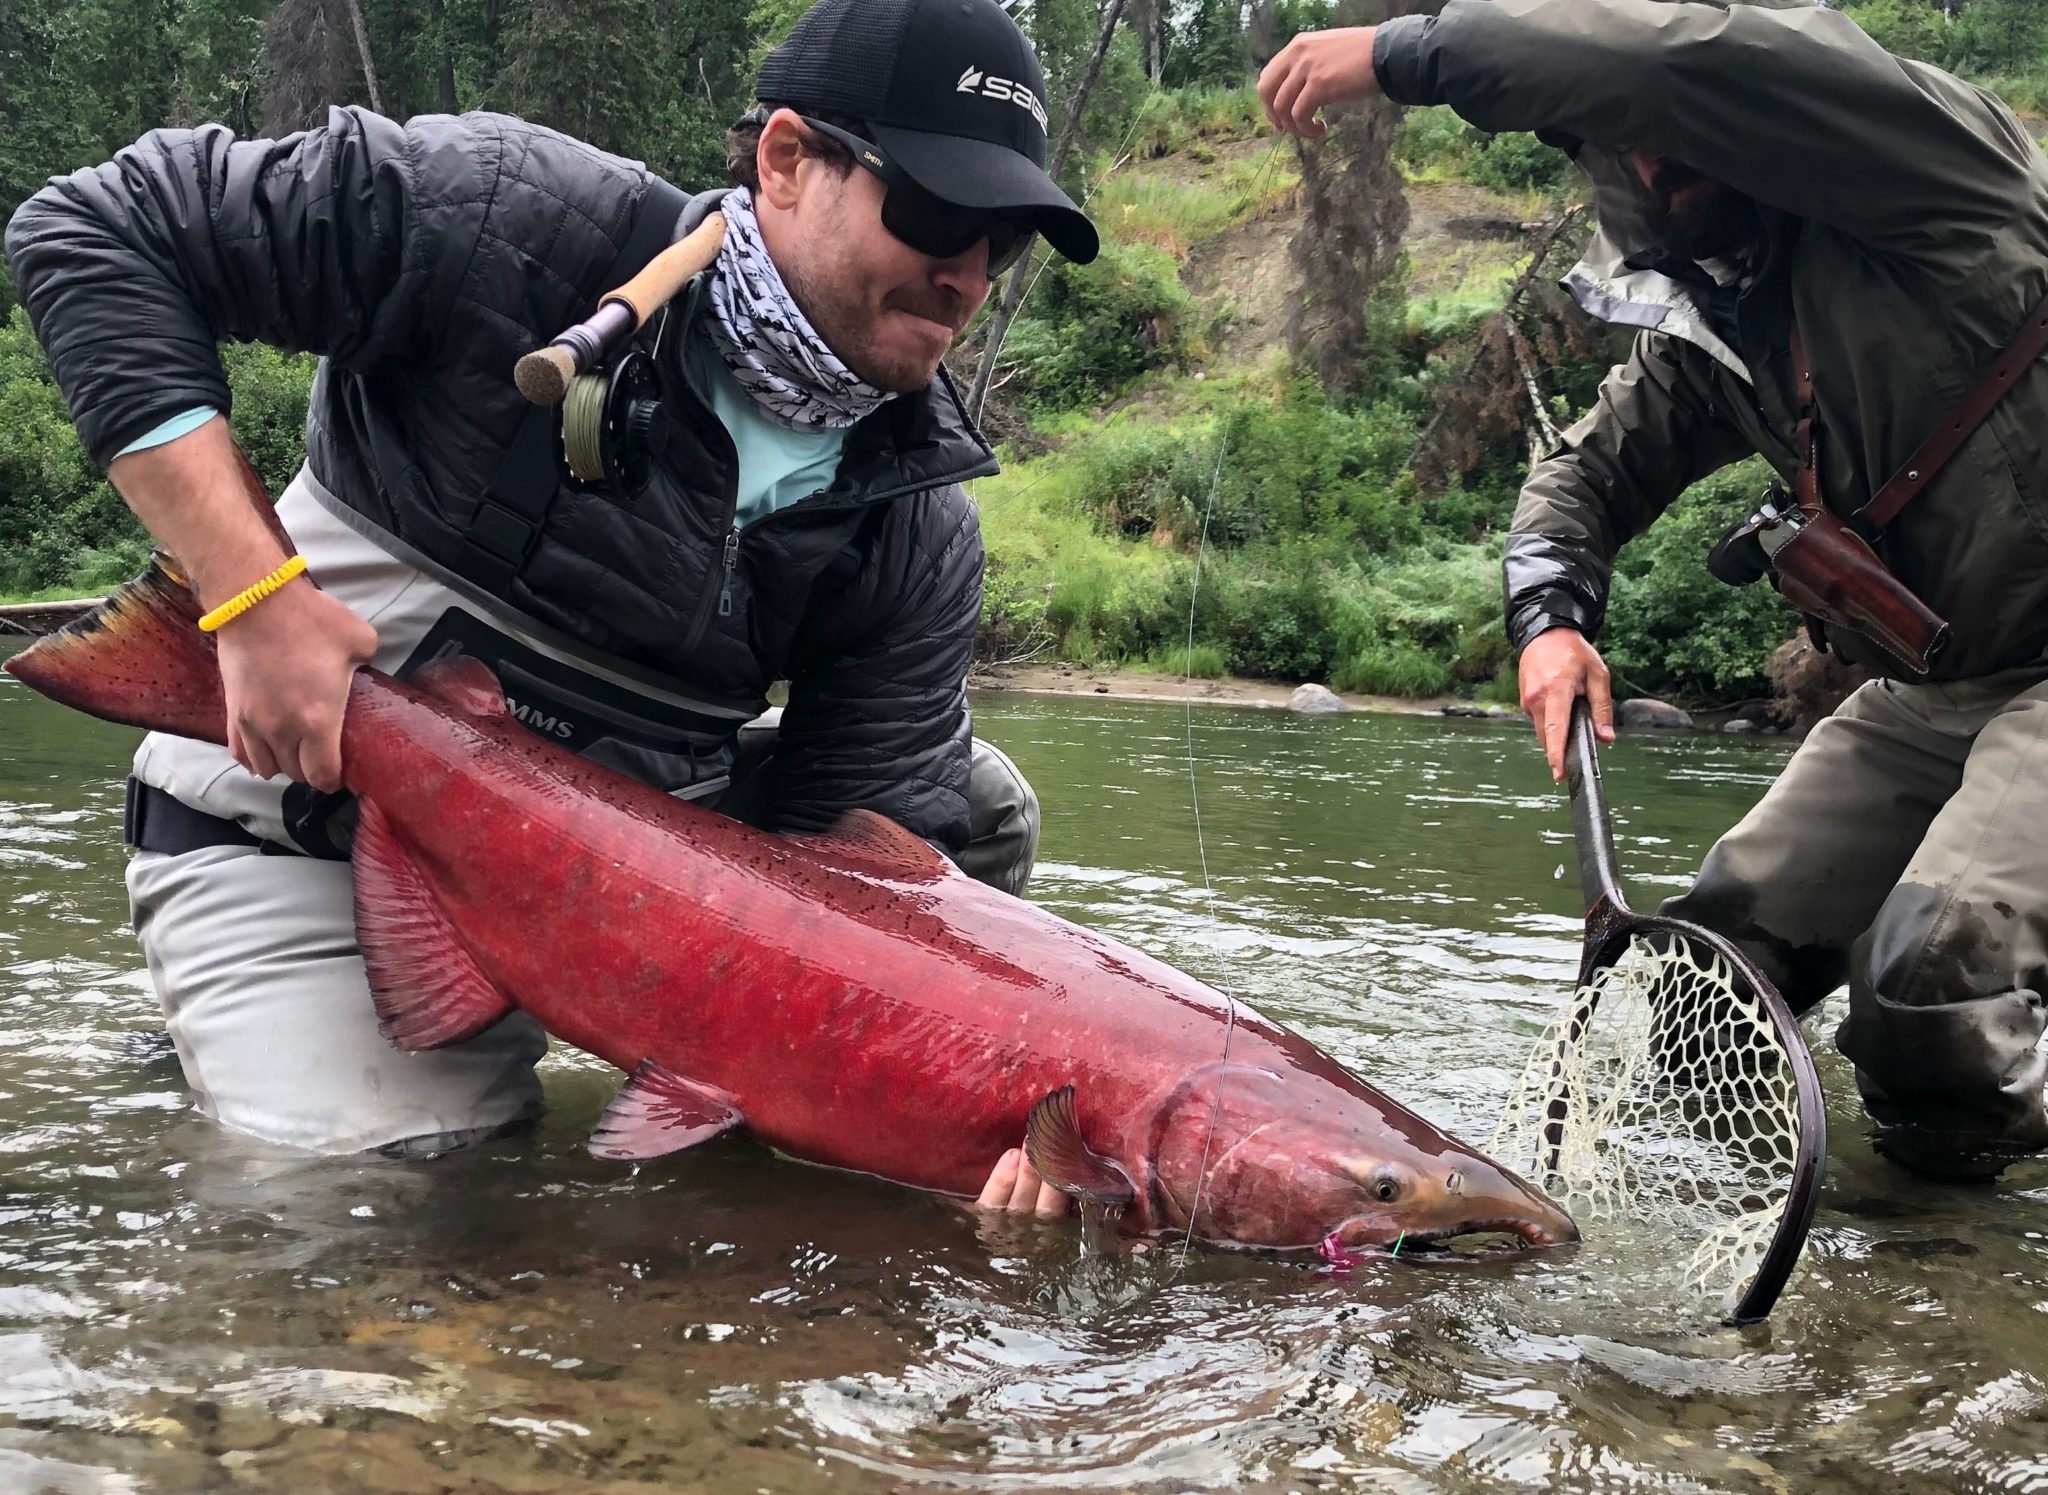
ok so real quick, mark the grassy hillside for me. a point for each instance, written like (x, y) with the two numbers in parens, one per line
(1153, 390)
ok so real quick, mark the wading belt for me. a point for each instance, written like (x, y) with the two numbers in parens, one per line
(152, 820)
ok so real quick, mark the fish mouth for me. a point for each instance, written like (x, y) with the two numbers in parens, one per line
(1361, 1237)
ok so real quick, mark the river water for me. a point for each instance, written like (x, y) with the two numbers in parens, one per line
(181, 1310)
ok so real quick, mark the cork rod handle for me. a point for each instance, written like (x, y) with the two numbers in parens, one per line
(544, 375)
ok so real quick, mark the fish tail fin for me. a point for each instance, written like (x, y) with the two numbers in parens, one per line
(139, 658)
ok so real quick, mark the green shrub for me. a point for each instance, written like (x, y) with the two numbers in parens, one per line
(1203, 662)
(1292, 606)
(1436, 606)
(1173, 216)
(1436, 145)
(1092, 329)
(1671, 627)
(1292, 17)
(1277, 610)
(1519, 162)
(62, 526)
(1295, 466)
(271, 390)
(1396, 668)
(1908, 28)
(53, 502)
(1432, 321)
(1162, 122)
(2005, 39)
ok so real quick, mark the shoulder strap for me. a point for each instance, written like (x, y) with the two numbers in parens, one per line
(1920, 469)
(1806, 435)
(515, 505)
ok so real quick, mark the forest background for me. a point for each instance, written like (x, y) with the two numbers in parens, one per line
(1344, 356)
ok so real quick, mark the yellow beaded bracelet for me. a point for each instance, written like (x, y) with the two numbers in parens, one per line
(248, 597)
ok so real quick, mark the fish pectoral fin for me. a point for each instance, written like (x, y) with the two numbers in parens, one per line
(877, 845)
(1052, 1140)
(464, 683)
(658, 1111)
(428, 987)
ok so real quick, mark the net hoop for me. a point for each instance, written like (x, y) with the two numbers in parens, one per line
(1613, 933)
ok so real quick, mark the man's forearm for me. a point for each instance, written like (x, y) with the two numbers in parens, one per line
(189, 494)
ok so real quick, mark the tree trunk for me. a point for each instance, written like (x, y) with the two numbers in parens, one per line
(301, 57)
(1146, 21)
(355, 17)
(493, 58)
(397, 42)
(444, 77)
(1355, 211)
(1013, 289)
(1259, 31)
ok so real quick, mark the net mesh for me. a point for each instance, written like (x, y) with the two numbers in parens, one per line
(1661, 1095)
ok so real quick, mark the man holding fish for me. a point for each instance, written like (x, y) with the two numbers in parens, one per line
(799, 516)
(1835, 258)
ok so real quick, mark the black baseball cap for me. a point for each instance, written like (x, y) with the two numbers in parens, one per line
(950, 88)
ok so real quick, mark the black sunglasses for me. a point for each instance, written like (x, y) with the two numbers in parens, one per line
(927, 222)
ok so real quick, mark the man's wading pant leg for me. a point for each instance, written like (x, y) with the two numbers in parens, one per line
(255, 960)
(1884, 855)
(1945, 991)
(1002, 822)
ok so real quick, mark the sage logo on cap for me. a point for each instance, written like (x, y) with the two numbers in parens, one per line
(977, 81)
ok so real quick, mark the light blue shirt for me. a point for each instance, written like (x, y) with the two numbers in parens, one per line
(777, 466)
(181, 424)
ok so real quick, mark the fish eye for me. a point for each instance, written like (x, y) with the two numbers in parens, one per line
(1386, 1188)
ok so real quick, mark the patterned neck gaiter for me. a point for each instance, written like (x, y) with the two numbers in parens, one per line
(766, 340)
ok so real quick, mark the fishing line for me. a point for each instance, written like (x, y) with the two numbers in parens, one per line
(1194, 787)
(1255, 192)
(1087, 196)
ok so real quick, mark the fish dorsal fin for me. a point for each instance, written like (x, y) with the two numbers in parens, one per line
(1052, 1140)
(428, 987)
(878, 845)
(658, 1111)
(464, 683)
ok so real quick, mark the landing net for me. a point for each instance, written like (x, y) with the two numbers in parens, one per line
(1662, 1096)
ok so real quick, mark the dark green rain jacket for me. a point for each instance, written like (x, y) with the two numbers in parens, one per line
(1906, 217)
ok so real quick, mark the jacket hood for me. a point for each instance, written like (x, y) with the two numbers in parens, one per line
(1603, 282)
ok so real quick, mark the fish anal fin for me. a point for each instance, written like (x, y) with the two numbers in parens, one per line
(658, 1111)
(428, 987)
(876, 844)
(464, 683)
(1052, 1140)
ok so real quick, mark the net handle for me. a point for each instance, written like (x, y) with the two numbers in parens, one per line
(1593, 833)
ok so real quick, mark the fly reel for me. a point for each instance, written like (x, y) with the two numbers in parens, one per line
(614, 424)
